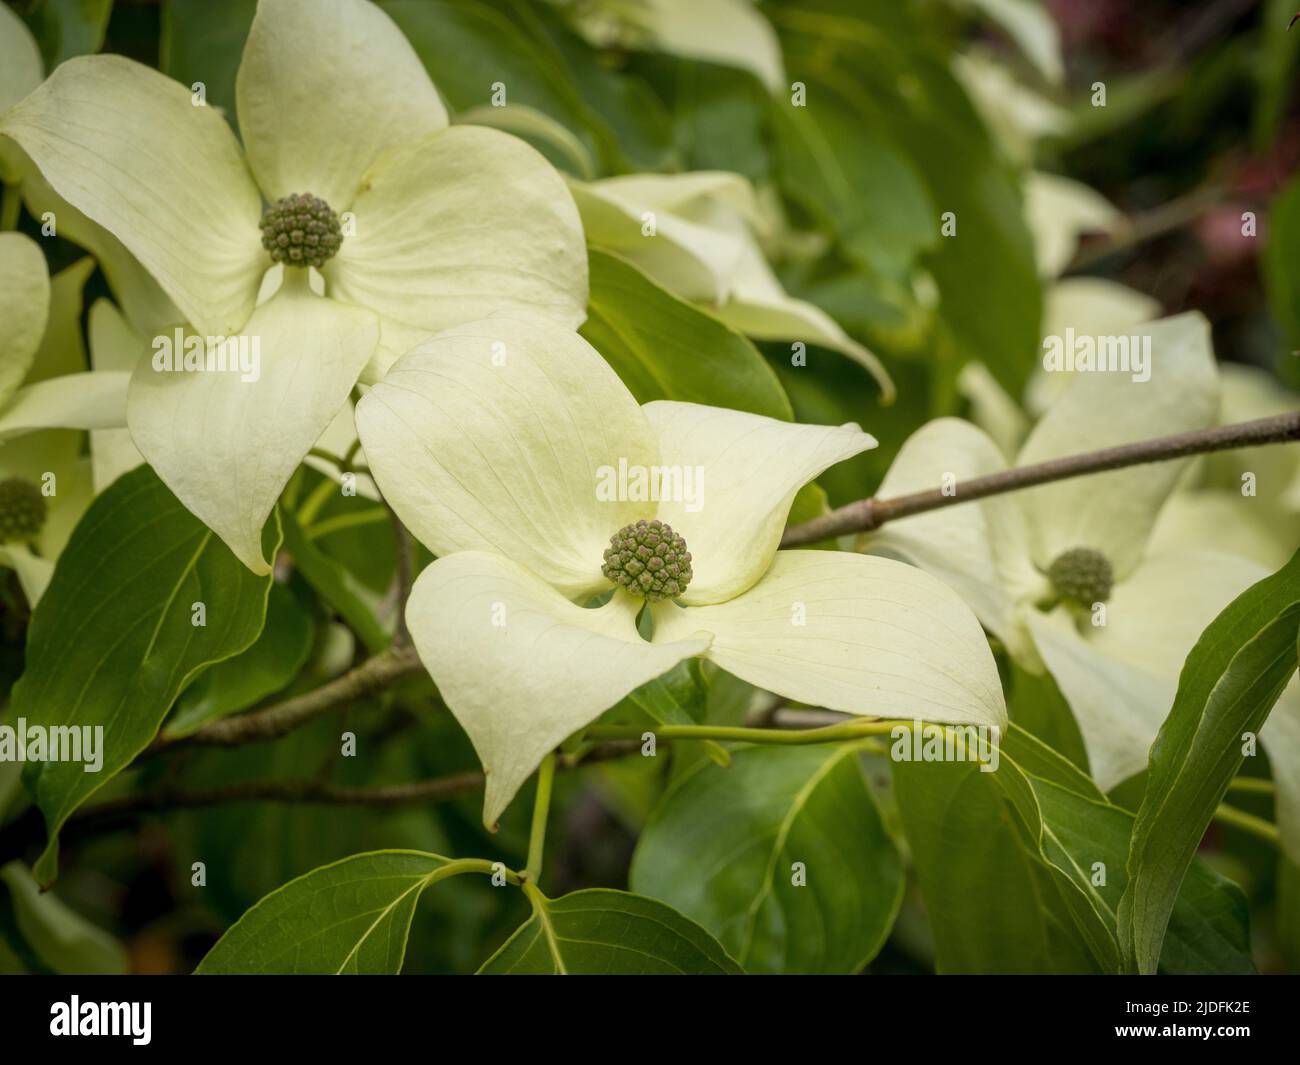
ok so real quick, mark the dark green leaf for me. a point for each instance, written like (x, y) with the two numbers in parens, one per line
(719, 115)
(985, 893)
(334, 583)
(1275, 71)
(204, 42)
(886, 71)
(61, 940)
(467, 48)
(679, 697)
(113, 642)
(1229, 684)
(1040, 891)
(854, 178)
(664, 348)
(67, 28)
(639, 133)
(1282, 271)
(606, 933)
(782, 856)
(349, 918)
(262, 670)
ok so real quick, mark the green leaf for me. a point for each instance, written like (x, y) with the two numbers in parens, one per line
(335, 583)
(854, 178)
(664, 348)
(782, 856)
(678, 697)
(1288, 911)
(467, 48)
(262, 670)
(1282, 270)
(67, 28)
(112, 642)
(719, 114)
(883, 67)
(637, 130)
(351, 917)
(1022, 870)
(1274, 70)
(984, 891)
(204, 42)
(1229, 684)
(1209, 931)
(607, 933)
(1089, 838)
(61, 940)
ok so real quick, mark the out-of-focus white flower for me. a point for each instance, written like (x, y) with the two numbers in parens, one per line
(697, 234)
(732, 33)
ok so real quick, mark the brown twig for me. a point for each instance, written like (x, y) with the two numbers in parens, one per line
(372, 675)
(864, 515)
(28, 829)
(1147, 226)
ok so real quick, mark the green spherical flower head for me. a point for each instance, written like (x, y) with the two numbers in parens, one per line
(301, 230)
(649, 560)
(22, 510)
(1082, 575)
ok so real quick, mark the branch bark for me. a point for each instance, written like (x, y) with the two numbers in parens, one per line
(28, 829)
(864, 515)
(374, 674)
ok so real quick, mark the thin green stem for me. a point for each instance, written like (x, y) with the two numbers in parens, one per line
(320, 495)
(538, 902)
(846, 730)
(10, 205)
(1252, 785)
(461, 866)
(541, 809)
(328, 456)
(339, 522)
(1255, 826)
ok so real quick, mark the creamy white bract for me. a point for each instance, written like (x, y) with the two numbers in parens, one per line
(446, 225)
(1119, 677)
(489, 442)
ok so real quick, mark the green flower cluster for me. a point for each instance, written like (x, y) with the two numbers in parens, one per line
(649, 560)
(301, 230)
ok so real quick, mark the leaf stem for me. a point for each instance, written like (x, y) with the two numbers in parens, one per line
(460, 866)
(320, 495)
(1252, 785)
(865, 515)
(541, 810)
(339, 522)
(1255, 826)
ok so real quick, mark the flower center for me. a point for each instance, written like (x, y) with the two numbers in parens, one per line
(22, 510)
(301, 230)
(648, 559)
(1082, 575)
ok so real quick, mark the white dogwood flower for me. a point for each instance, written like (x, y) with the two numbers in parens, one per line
(696, 234)
(46, 397)
(1069, 575)
(730, 32)
(412, 225)
(514, 453)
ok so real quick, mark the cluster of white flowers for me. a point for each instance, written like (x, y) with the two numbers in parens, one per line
(453, 302)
